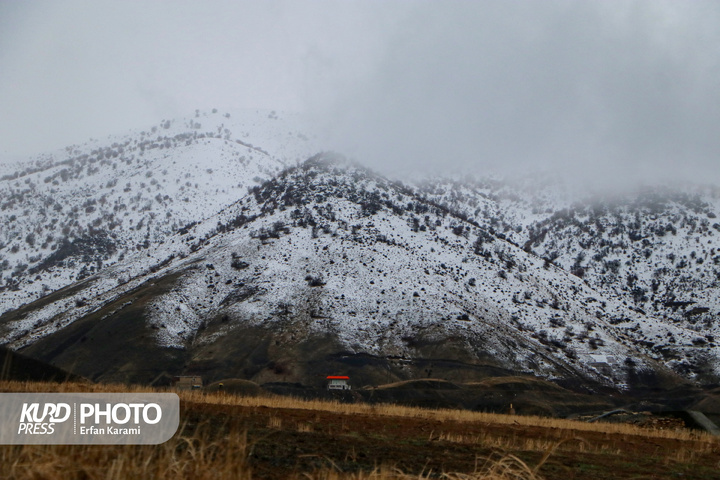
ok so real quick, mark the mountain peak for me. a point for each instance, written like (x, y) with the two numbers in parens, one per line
(223, 253)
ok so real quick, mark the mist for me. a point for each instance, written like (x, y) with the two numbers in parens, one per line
(613, 92)
(75, 69)
(609, 92)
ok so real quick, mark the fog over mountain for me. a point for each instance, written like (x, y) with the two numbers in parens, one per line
(623, 92)
(388, 190)
(277, 264)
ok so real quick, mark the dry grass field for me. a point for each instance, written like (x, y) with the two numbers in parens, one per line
(225, 436)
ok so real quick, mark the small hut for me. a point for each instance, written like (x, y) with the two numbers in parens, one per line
(604, 364)
(188, 382)
(338, 382)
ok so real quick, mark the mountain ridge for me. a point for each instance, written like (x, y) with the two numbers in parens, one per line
(324, 265)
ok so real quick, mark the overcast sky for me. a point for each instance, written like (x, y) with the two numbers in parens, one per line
(604, 89)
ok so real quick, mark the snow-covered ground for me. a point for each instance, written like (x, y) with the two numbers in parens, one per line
(104, 200)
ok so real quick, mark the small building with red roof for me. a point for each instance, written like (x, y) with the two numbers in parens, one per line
(338, 382)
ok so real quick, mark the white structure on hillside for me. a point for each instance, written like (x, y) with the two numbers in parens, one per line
(338, 382)
(602, 363)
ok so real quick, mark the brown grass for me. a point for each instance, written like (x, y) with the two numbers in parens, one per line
(200, 456)
(391, 410)
(202, 452)
(506, 467)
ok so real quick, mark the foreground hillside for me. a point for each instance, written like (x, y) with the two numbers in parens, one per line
(228, 437)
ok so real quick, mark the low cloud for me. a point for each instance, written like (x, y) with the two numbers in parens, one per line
(622, 91)
(625, 92)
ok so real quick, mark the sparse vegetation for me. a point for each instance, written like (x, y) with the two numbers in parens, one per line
(223, 436)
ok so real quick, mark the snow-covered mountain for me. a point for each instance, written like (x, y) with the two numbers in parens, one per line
(240, 251)
(655, 250)
(67, 214)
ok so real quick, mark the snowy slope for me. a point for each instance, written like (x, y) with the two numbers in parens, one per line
(655, 250)
(329, 248)
(203, 239)
(69, 214)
